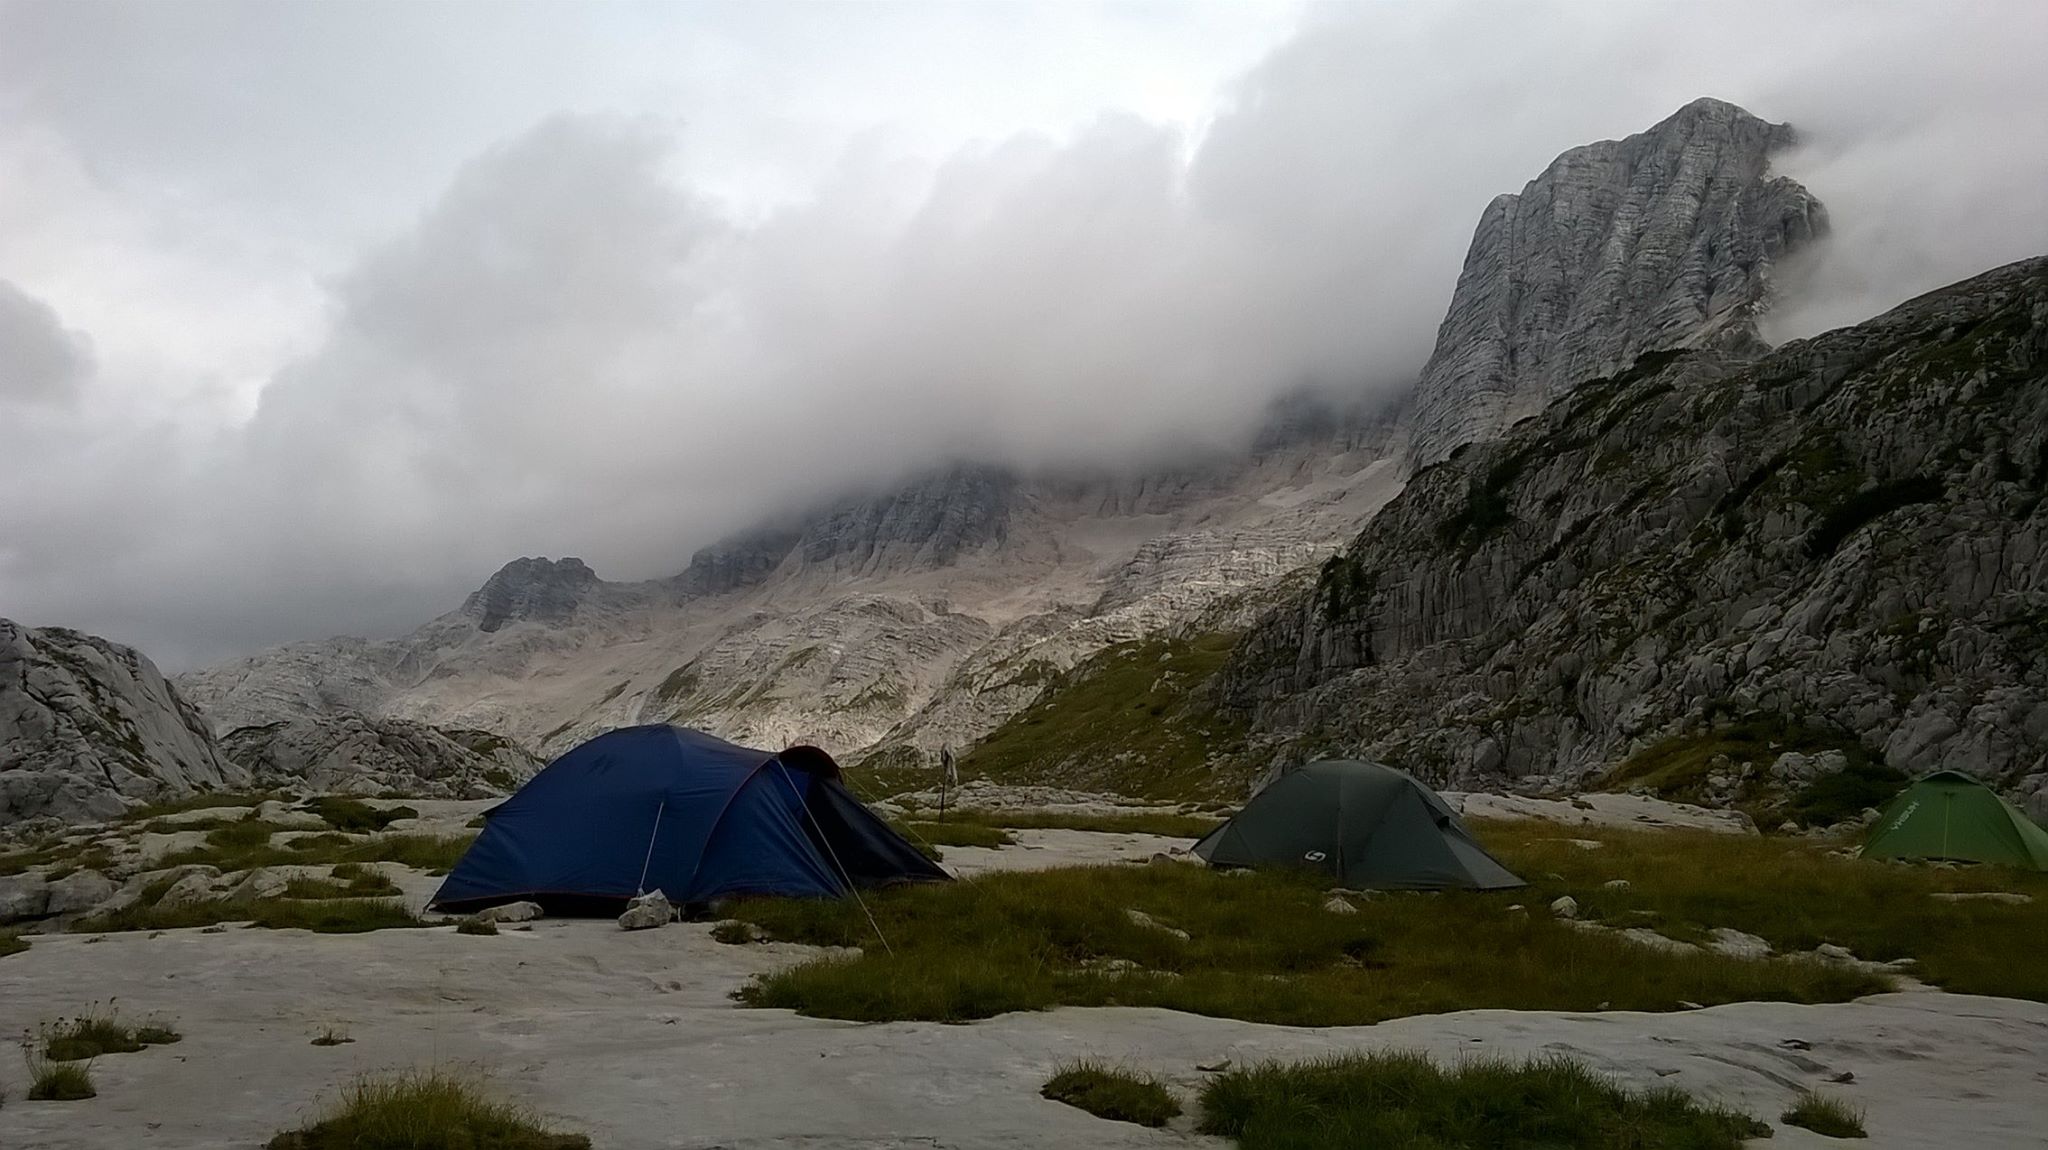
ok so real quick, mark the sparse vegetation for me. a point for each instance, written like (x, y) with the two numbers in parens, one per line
(1260, 948)
(1133, 714)
(347, 814)
(205, 800)
(1406, 1101)
(332, 1036)
(95, 1033)
(323, 916)
(59, 1081)
(349, 880)
(1164, 823)
(248, 844)
(474, 925)
(424, 1110)
(1826, 1116)
(11, 943)
(1108, 1092)
(955, 834)
(1794, 894)
(1679, 767)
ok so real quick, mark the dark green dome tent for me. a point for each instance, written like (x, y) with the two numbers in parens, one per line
(1949, 815)
(1363, 824)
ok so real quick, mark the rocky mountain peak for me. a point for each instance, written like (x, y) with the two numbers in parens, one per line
(544, 590)
(1662, 240)
(929, 522)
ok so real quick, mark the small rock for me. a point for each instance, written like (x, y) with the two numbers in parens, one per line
(1565, 907)
(1832, 953)
(1736, 944)
(1140, 918)
(1336, 905)
(1684, 1005)
(647, 912)
(1665, 1071)
(1788, 827)
(1216, 1067)
(1615, 884)
(1844, 1076)
(1645, 937)
(1515, 906)
(520, 912)
(1587, 844)
(2005, 896)
(1796, 1044)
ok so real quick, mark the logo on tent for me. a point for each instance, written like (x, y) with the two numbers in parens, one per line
(1315, 856)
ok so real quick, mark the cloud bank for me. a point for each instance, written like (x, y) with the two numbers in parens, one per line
(576, 346)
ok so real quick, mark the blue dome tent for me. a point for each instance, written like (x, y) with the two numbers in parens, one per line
(679, 811)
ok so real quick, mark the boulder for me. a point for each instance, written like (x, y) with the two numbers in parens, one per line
(647, 912)
(23, 896)
(1566, 907)
(80, 891)
(1336, 905)
(2011, 898)
(194, 887)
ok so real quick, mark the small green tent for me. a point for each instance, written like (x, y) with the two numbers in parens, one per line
(1363, 824)
(1949, 815)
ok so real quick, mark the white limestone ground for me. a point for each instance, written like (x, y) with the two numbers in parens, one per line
(632, 1038)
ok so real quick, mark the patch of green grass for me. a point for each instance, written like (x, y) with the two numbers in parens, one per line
(424, 1110)
(482, 926)
(59, 1082)
(323, 916)
(951, 834)
(1794, 894)
(1135, 717)
(11, 943)
(355, 815)
(1164, 823)
(246, 845)
(1830, 1117)
(1261, 948)
(1393, 1100)
(1677, 767)
(204, 800)
(61, 857)
(351, 880)
(1118, 1095)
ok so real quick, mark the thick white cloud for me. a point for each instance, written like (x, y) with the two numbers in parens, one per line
(40, 359)
(591, 338)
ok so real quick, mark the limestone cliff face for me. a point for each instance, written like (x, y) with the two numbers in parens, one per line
(1850, 533)
(90, 728)
(542, 589)
(354, 754)
(1661, 240)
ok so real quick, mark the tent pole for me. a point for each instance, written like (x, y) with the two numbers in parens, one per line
(641, 887)
(847, 878)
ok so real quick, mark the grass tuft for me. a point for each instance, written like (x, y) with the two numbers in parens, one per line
(1393, 1100)
(354, 815)
(60, 1082)
(11, 943)
(1827, 1116)
(1118, 1095)
(424, 1110)
(332, 1036)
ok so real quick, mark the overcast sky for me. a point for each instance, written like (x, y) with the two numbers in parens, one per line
(312, 315)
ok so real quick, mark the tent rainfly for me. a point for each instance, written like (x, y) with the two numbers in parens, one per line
(679, 811)
(1364, 825)
(1949, 815)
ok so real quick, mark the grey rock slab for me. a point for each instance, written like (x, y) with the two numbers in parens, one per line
(561, 1018)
